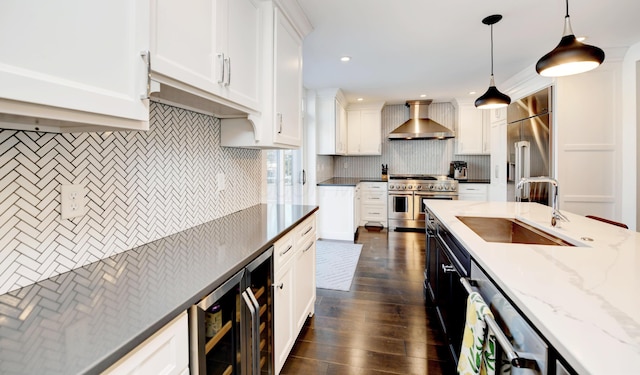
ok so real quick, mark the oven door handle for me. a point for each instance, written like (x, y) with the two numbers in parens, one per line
(512, 355)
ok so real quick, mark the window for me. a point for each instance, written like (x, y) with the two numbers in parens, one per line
(284, 176)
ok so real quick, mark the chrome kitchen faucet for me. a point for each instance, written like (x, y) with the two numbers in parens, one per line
(556, 214)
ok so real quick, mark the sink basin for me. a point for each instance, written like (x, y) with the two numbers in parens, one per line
(507, 230)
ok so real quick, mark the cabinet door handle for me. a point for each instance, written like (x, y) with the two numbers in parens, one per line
(287, 250)
(279, 286)
(221, 61)
(227, 82)
(448, 268)
(279, 123)
(146, 56)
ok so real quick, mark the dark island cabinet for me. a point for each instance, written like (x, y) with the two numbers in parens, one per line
(443, 288)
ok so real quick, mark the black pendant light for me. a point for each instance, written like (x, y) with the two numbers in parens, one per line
(570, 56)
(493, 98)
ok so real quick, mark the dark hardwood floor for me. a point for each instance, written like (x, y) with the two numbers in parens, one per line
(381, 326)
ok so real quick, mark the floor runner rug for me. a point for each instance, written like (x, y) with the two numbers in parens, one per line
(336, 263)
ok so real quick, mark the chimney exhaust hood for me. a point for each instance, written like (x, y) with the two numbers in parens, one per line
(419, 125)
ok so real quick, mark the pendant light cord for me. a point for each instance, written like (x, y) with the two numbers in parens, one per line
(567, 2)
(492, 49)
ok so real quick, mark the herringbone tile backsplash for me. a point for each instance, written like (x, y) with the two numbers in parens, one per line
(141, 186)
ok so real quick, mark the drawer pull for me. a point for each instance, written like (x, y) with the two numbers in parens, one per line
(287, 250)
(307, 231)
(308, 247)
(374, 213)
(448, 268)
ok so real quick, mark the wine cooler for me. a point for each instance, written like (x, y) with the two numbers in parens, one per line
(231, 329)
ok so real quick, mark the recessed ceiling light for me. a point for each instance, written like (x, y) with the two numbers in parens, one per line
(360, 99)
(423, 95)
(345, 58)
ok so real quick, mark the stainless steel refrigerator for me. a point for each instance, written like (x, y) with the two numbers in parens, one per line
(529, 146)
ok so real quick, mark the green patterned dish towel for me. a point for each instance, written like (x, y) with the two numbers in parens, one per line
(478, 353)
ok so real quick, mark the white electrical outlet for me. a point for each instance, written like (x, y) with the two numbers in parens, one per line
(221, 182)
(72, 201)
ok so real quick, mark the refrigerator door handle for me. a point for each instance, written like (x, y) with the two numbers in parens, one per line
(523, 167)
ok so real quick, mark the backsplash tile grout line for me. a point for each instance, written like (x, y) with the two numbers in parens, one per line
(141, 186)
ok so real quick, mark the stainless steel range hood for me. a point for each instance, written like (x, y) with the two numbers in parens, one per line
(419, 125)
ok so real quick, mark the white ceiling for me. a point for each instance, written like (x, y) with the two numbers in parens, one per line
(401, 49)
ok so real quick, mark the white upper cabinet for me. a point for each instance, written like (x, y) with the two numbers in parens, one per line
(364, 129)
(473, 134)
(209, 48)
(279, 123)
(177, 54)
(287, 83)
(243, 52)
(73, 65)
(331, 122)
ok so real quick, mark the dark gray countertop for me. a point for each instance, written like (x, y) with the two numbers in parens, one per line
(348, 181)
(86, 319)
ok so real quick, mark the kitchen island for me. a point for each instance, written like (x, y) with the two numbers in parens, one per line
(584, 300)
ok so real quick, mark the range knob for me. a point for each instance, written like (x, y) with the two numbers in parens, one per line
(430, 187)
(410, 187)
(419, 187)
(440, 187)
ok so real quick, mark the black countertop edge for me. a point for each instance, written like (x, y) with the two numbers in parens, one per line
(348, 181)
(88, 318)
(478, 181)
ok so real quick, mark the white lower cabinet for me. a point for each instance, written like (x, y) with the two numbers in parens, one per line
(166, 352)
(304, 275)
(283, 333)
(373, 203)
(336, 218)
(473, 192)
(294, 286)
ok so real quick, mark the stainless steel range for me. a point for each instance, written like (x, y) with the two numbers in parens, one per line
(405, 198)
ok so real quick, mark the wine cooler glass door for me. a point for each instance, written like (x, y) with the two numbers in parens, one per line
(257, 284)
(216, 327)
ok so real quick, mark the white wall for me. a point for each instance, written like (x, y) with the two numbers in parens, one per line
(630, 124)
(589, 141)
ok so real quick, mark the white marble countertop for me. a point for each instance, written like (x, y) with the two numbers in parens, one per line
(585, 300)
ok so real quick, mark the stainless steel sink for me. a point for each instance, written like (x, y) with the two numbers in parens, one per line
(507, 230)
